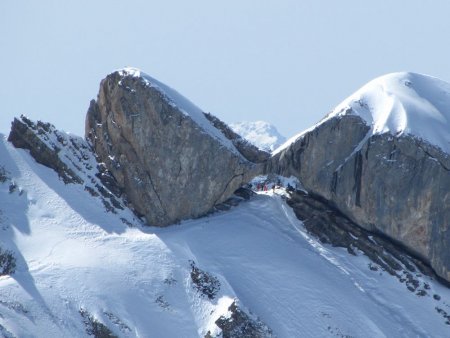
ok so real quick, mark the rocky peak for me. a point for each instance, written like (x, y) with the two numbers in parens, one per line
(169, 159)
(380, 159)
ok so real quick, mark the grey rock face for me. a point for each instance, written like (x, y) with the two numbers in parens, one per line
(168, 165)
(396, 186)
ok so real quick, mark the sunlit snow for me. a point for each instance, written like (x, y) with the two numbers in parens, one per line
(72, 254)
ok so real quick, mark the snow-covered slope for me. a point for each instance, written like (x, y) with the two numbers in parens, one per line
(260, 133)
(401, 104)
(73, 255)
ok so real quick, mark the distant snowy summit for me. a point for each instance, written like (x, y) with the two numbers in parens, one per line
(260, 133)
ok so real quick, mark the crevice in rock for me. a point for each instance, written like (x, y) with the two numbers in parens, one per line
(130, 147)
(226, 188)
(156, 193)
(433, 157)
(358, 178)
(334, 182)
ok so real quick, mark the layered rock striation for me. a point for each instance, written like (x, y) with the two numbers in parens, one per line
(169, 159)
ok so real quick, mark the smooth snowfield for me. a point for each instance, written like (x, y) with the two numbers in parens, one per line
(401, 104)
(72, 254)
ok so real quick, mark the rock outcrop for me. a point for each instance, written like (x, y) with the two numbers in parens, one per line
(71, 158)
(32, 136)
(382, 157)
(238, 324)
(169, 159)
(397, 186)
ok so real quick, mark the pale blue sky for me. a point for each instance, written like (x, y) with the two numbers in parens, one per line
(286, 62)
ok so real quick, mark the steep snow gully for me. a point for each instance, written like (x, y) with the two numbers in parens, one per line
(73, 255)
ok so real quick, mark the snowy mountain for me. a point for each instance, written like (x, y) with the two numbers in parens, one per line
(82, 270)
(341, 232)
(260, 133)
(400, 104)
(382, 158)
(404, 103)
